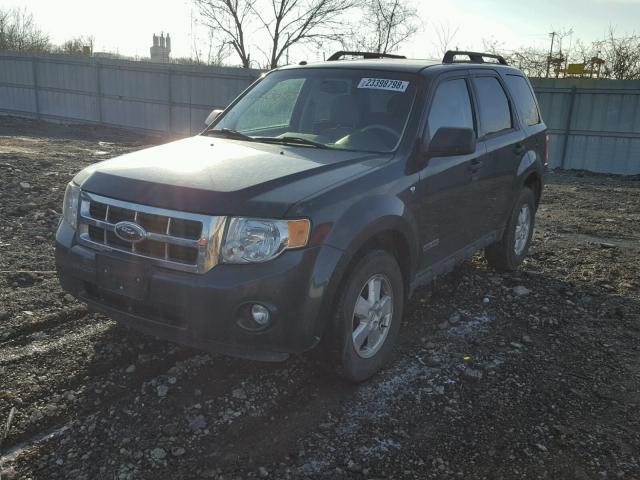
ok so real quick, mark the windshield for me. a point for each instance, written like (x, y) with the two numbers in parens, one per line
(325, 108)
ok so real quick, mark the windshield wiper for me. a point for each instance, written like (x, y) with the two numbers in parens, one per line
(290, 140)
(229, 133)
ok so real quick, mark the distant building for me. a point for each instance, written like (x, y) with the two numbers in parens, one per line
(161, 48)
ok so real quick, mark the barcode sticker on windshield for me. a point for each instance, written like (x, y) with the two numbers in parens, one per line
(383, 84)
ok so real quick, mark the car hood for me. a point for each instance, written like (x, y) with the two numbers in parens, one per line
(213, 175)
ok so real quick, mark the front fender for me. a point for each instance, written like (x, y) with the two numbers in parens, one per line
(358, 224)
(370, 216)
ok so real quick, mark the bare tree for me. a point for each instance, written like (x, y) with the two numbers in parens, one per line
(230, 19)
(284, 22)
(493, 46)
(208, 49)
(385, 24)
(19, 32)
(621, 56)
(292, 22)
(76, 46)
(583, 52)
(445, 34)
(532, 61)
(587, 55)
(218, 52)
(615, 57)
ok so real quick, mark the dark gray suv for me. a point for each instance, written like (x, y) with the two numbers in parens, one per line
(310, 209)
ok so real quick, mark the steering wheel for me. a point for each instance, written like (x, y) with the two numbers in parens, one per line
(368, 128)
(377, 126)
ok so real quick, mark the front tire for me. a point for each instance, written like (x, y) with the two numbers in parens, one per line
(509, 252)
(367, 317)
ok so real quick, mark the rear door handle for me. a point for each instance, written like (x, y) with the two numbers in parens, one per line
(519, 148)
(475, 164)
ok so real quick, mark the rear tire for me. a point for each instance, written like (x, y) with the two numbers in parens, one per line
(367, 317)
(509, 252)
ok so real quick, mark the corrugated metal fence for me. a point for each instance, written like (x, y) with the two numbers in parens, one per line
(161, 97)
(594, 124)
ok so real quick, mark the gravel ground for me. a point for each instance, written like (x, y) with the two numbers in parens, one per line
(534, 374)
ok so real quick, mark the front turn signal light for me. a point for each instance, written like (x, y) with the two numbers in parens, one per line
(298, 232)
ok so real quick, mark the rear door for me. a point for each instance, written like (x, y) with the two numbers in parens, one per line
(529, 115)
(444, 198)
(493, 178)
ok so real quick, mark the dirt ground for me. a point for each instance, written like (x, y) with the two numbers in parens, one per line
(487, 381)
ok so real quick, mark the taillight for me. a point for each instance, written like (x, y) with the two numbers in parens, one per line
(546, 148)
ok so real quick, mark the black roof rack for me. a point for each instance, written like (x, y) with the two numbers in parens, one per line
(366, 55)
(474, 57)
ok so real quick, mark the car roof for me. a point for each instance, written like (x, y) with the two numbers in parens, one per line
(395, 65)
(399, 65)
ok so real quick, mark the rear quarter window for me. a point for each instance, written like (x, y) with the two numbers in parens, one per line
(524, 99)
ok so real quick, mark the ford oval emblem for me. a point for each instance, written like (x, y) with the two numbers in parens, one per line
(130, 232)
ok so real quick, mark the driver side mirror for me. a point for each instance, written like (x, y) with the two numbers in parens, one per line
(449, 141)
(212, 116)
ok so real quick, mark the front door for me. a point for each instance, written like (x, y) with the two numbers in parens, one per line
(445, 198)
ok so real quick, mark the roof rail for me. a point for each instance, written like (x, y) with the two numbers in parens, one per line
(474, 57)
(367, 55)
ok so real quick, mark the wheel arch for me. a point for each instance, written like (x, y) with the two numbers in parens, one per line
(533, 181)
(394, 242)
(530, 175)
(379, 221)
(393, 231)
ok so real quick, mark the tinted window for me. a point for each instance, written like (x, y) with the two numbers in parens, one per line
(494, 114)
(451, 107)
(524, 99)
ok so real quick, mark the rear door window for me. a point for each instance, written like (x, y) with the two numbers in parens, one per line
(524, 99)
(451, 107)
(494, 112)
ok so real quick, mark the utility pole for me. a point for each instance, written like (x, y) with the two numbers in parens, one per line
(553, 37)
(566, 58)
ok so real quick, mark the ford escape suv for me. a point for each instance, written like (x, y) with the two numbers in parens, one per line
(310, 209)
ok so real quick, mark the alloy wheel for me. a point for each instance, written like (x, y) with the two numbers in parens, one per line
(372, 316)
(523, 226)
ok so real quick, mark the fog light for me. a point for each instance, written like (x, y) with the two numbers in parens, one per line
(260, 314)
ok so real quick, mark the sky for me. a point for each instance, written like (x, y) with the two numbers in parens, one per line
(127, 26)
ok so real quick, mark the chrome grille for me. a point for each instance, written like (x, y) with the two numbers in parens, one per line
(173, 239)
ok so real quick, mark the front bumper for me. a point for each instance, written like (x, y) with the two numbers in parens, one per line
(201, 310)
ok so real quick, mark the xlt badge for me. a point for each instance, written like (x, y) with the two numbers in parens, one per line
(431, 244)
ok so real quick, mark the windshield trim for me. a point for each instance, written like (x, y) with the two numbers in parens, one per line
(302, 145)
(296, 72)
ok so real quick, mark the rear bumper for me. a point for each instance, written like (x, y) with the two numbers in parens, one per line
(202, 310)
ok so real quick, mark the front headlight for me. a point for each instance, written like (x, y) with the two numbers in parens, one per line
(255, 240)
(70, 205)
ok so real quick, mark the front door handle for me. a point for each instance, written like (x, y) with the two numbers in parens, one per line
(475, 164)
